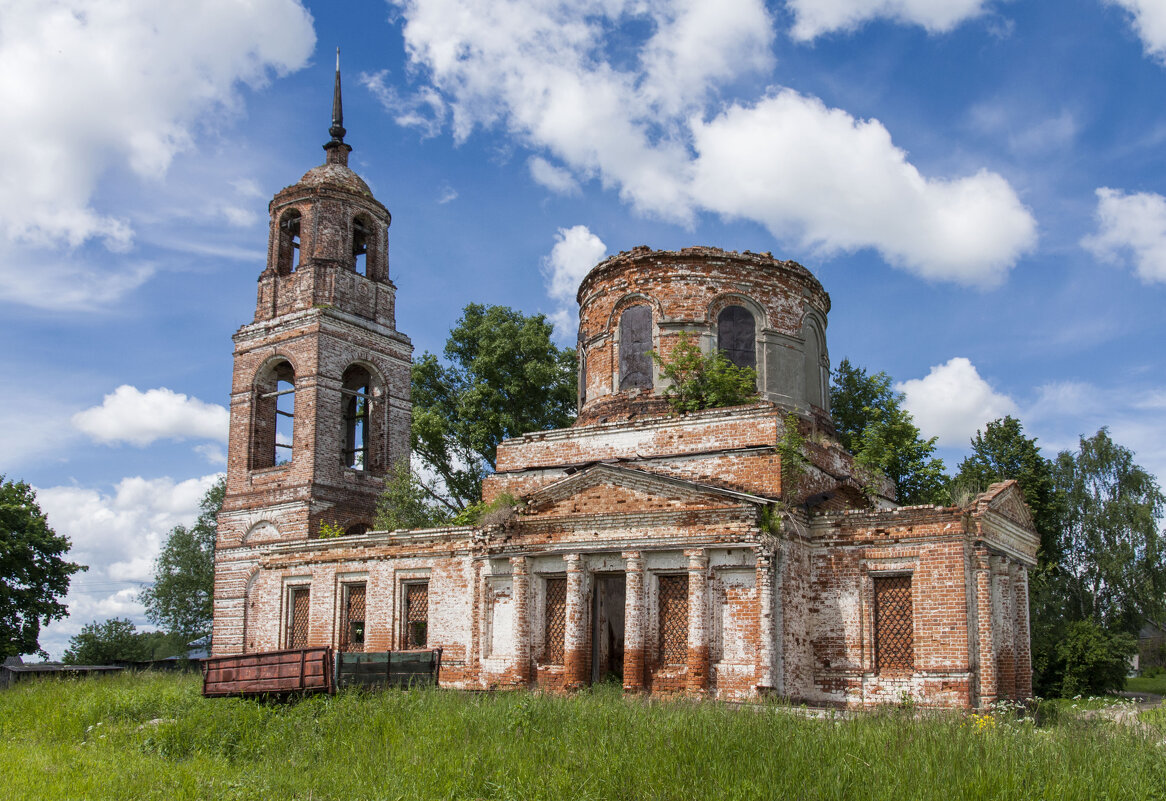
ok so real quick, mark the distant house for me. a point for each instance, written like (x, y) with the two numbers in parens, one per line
(1151, 646)
(14, 670)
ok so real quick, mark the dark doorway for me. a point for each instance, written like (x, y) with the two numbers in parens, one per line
(607, 629)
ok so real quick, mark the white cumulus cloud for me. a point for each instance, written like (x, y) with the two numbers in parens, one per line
(130, 415)
(953, 401)
(838, 183)
(575, 252)
(554, 178)
(93, 88)
(812, 18)
(1132, 225)
(644, 116)
(1148, 18)
(118, 536)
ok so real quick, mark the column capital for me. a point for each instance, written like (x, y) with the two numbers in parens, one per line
(574, 562)
(698, 558)
(518, 564)
(633, 560)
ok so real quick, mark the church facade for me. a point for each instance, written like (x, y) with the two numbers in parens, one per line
(693, 553)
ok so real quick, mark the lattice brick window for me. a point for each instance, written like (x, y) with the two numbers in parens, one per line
(352, 618)
(673, 619)
(297, 630)
(894, 624)
(416, 634)
(556, 621)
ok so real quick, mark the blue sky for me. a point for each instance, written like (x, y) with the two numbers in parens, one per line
(977, 183)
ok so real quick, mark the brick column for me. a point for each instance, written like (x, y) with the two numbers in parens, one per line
(1006, 635)
(698, 649)
(485, 615)
(633, 623)
(985, 634)
(766, 624)
(520, 582)
(1023, 637)
(576, 670)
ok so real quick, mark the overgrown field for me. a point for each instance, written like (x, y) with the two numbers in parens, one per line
(127, 737)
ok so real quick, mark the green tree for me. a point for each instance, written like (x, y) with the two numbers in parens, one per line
(873, 425)
(1001, 451)
(1112, 565)
(181, 599)
(502, 376)
(118, 640)
(405, 503)
(699, 381)
(33, 573)
(1083, 659)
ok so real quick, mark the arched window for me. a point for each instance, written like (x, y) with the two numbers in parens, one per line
(361, 236)
(635, 341)
(813, 368)
(289, 242)
(356, 397)
(273, 436)
(737, 336)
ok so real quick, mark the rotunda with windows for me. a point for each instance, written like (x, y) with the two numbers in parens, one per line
(760, 312)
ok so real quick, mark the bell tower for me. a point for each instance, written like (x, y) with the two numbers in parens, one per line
(320, 407)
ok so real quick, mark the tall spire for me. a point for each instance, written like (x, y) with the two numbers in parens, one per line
(336, 147)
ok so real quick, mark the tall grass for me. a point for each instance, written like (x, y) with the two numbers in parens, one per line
(156, 737)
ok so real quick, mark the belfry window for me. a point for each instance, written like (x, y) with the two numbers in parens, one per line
(635, 344)
(361, 232)
(273, 434)
(356, 397)
(289, 242)
(737, 336)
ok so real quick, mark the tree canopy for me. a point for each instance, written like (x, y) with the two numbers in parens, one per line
(1000, 451)
(1112, 565)
(502, 376)
(118, 640)
(873, 425)
(34, 576)
(181, 599)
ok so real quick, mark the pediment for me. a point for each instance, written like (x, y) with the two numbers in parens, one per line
(613, 489)
(1006, 499)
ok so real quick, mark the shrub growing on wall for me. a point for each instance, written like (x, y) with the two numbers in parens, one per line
(699, 381)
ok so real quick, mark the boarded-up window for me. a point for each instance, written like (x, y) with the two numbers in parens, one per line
(635, 340)
(815, 374)
(556, 625)
(894, 625)
(737, 336)
(416, 634)
(352, 618)
(297, 624)
(673, 619)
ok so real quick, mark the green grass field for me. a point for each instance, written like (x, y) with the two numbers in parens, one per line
(127, 737)
(1155, 685)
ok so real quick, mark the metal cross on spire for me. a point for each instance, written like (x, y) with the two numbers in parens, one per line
(337, 130)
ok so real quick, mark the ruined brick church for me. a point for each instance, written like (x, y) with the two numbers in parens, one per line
(672, 553)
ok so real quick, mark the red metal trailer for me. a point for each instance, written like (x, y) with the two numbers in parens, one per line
(305, 670)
